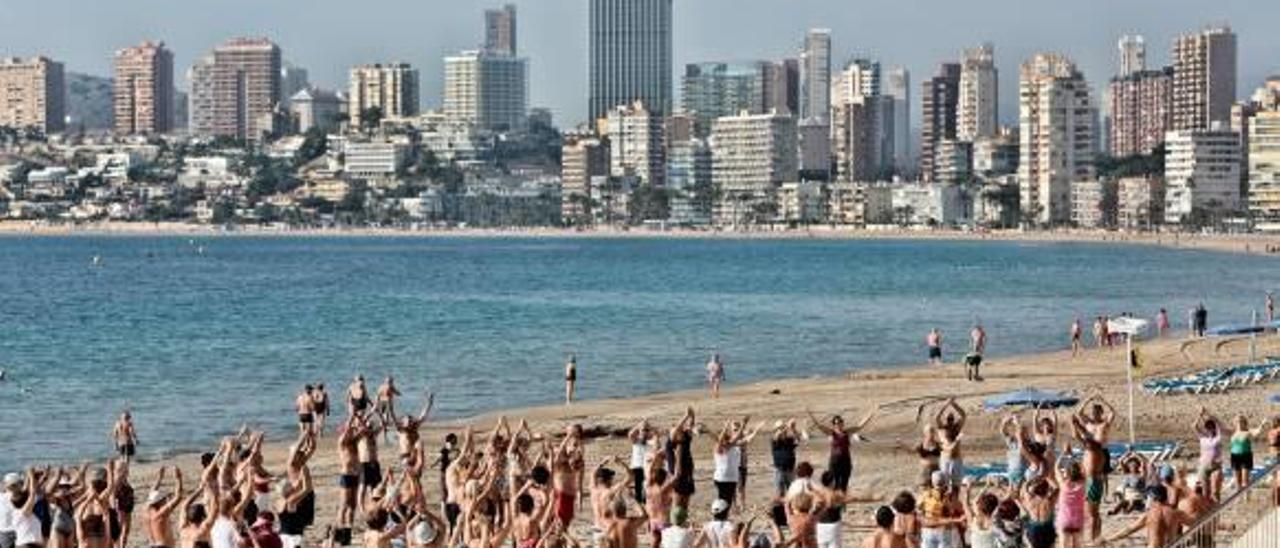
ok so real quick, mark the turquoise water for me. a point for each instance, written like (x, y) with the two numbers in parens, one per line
(197, 344)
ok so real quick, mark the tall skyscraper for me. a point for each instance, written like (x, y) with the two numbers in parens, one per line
(898, 86)
(500, 30)
(392, 88)
(1204, 78)
(862, 130)
(1138, 108)
(487, 90)
(143, 89)
(33, 94)
(236, 91)
(782, 87)
(979, 94)
(941, 101)
(630, 55)
(1133, 54)
(815, 76)
(1057, 136)
(712, 90)
(860, 78)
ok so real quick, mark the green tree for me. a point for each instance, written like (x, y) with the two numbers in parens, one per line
(315, 143)
(371, 118)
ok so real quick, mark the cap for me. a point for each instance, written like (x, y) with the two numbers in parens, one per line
(719, 506)
(154, 497)
(938, 479)
(12, 479)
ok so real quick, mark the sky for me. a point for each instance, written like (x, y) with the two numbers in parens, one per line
(327, 37)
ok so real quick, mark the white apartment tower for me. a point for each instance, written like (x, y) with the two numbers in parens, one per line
(636, 144)
(979, 94)
(486, 89)
(1202, 172)
(751, 156)
(391, 88)
(1057, 136)
(1133, 54)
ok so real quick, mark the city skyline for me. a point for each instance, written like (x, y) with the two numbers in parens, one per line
(554, 37)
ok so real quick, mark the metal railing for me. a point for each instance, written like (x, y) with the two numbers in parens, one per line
(1249, 513)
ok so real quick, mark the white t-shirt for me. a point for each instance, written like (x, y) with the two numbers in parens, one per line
(6, 513)
(639, 452)
(673, 537)
(224, 534)
(719, 534)
(727, 464)
(26, 528)
(799, 485)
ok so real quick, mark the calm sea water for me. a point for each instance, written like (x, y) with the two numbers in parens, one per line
(197, 344)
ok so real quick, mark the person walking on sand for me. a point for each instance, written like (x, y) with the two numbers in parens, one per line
(570, 379)
(1162, 322)
(934, 341)
(1077, 337)
(715, 375)
(320, 405)
(125, 436)
(387, 394)
(1201, 319)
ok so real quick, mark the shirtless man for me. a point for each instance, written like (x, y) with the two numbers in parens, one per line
(320, 405)
(408, 438)
(1092, 431)
(159, 508)
(659, 494)
(715, 375)
(1162, 522)
(387, 394)
(884, 536)
(349, 436)
(565, 478)
(357, 397)
(125, 436)
(527, 527)
(370, 468)
(604, 489)
(305, 405)
(621, 530)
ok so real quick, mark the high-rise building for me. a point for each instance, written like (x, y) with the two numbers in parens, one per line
(293, 79)
(978, 101)
(712, 90)
(689, 179)
(815, 149)
(941, 101)
(486, 90)
(1139, 111)
(630, 55)
(863, 138)
(815, 76)
(1057, 136)
(583, 158)
(236, 90)
(391, 88)
(751, 156)
(500, 30)
(143, 89)
(898, 86)
(636, 145)
(1264, 168)
(782, 87)
(1204, 78)
(33, 94)
(1202, 173)
(860, 78)
(200, 100)
(1133, 54)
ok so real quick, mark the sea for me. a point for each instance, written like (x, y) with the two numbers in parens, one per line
(198, 336)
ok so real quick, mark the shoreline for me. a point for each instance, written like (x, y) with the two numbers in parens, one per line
(1251, 244)
(904, 393)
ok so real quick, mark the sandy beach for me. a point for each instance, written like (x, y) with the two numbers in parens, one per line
(1257, 244)
(883, 465)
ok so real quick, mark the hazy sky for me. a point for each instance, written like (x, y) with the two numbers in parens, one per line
(328, 36)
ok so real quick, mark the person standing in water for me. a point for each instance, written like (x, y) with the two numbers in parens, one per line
(570, 379)
(1271, 307)
(715, 375)
(1162, 322)
(306, 407)
(977, 347)
(934, 341)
